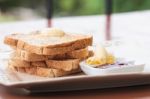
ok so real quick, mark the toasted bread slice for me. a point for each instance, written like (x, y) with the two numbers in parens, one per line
(66, 65)
(32, 57)
(48, 45)
(42, 71)
(19, 63)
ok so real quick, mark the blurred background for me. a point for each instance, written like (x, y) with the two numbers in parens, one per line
(130, 21)
(14, 10)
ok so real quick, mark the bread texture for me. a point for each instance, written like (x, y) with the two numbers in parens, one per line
(48, 53)
(66, 65)
(43, 71)
(47, 45)
(32, 57)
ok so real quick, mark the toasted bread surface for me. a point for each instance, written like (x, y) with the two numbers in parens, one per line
(32, 57)
(66, 65)
(45, 45)
(43, 71)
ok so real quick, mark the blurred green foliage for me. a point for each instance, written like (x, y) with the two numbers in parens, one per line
(77, 7)
(130, 5)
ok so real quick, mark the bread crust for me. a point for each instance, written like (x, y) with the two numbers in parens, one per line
(80, 42)
(10, 41)
(32, 57)
(42, 71)
(65, 65)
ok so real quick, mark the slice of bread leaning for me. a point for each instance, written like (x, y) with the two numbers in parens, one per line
(43, 71)
(41, 44)
(32, 57)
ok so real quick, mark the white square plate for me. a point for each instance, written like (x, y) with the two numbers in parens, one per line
(12, 79)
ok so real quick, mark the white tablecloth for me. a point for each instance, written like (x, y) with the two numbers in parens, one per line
(131, 27)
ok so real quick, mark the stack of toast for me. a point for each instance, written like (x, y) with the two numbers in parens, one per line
(52, 53)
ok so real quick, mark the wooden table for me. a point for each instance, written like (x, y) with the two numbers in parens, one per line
(134, 92)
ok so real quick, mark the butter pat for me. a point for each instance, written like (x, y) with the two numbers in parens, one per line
(95, 61)
(54, 32)
(100, 52)
(110, 59)
(101, 57)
